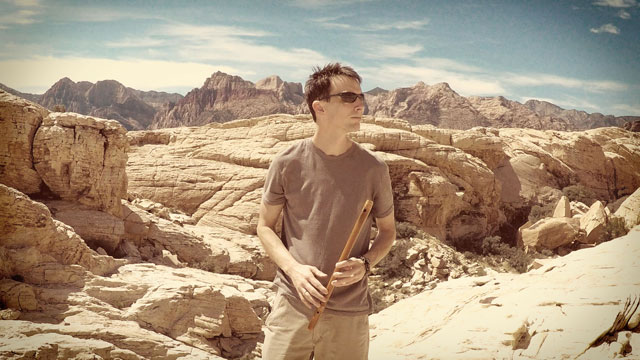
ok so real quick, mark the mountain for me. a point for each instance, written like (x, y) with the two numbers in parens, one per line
(107, 99)
(577, 120)
(505, 113)
(224, 97)
(437, 105)
(31, 97)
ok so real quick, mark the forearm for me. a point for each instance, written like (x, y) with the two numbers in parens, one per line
(381, 246)
(276, 249)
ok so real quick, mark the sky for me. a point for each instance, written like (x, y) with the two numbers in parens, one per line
(581, 55)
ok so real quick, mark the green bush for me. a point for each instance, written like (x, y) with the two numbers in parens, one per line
(517, 258)
(615, 228)
(540, 212)
(579, 193)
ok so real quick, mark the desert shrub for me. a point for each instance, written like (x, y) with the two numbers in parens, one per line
(579, 193)
(540, 212)
(468, 244)
(615, 228)
(517, 258)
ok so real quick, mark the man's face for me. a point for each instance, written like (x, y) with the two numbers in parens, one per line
(343, 115)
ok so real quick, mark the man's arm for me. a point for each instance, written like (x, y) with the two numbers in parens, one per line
(304, 277)
(353, 270)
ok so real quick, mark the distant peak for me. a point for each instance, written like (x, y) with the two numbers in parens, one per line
(442, 86)
(65, 80)
(377, 91)
(270, 82)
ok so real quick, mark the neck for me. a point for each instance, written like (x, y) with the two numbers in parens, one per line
(331, 144)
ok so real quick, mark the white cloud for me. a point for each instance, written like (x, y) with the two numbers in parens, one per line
(314, 4)
(19, 17)
(399, 25)
(222, 44)
(143, 42)
(386, 51)
(374, 25)
(617, 3)
(448, 64)
(38, 74)
(606, 28)
(554, 80)
(622, 14)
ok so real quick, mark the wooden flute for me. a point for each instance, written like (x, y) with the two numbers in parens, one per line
(357, 227)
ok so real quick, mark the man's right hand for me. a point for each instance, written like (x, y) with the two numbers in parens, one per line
(305, 279)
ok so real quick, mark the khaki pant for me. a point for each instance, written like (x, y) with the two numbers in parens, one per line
(334, 337)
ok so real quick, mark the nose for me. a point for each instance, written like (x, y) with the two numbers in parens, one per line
(359, 103)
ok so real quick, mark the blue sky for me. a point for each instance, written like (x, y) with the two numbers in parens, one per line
(576, 54)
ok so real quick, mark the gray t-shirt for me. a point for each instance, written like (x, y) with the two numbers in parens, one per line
(323, 196)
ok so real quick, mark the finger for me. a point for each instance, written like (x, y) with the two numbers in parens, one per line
(345, 263)
(311, 298)
(304, 300)
(317, 286)
(317, 272)
(315, 295)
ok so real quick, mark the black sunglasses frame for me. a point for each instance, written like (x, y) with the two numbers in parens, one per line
(346, 96)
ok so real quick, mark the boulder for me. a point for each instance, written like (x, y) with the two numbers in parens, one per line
(551, 233)
(562, 209)
(19, 121)
(630, 209)
(82, 159)
(593, 223)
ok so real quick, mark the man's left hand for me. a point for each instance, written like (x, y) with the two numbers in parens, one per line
(348, 272)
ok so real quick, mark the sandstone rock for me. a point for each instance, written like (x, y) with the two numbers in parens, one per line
(17, 295)
(82, 159)
(570, 302)
(97, 228)
(563, 208)
(578, 208)
(190, 313)
(19, 120)
(40, 249)
(551, 233)
(594, 223)
(630, 209)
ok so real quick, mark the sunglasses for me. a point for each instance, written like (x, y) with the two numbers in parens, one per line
(347, 97)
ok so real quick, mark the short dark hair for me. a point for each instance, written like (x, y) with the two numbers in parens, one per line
(318, 85)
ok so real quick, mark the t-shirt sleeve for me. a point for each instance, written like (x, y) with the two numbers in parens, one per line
(273, 192)
(383, 198)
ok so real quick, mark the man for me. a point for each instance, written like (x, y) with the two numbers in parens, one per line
(320, 185)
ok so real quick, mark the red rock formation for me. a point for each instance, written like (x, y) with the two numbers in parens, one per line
(224, 97)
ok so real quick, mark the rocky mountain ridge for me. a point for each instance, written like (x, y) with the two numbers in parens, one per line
(225, 97)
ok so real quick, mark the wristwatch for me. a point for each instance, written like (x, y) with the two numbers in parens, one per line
(367, 264)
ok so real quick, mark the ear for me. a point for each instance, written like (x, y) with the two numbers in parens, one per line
(317, 107)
